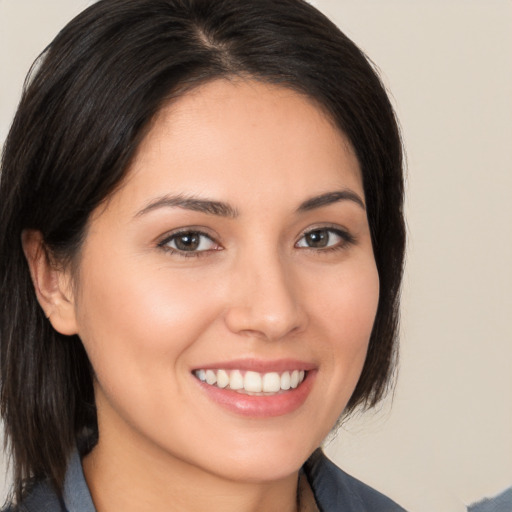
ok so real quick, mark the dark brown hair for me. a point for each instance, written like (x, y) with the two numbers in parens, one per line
(85, 109)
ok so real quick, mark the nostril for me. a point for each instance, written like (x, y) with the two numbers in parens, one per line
(251, 323)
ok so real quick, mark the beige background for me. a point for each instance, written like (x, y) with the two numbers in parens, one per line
(447, 438)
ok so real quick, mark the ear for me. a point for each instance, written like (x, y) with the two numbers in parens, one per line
(52, 284)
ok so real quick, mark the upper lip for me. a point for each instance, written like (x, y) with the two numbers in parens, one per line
(259, 365)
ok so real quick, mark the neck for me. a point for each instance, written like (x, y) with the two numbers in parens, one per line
(134, 477)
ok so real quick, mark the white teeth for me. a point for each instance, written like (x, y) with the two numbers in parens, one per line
(211, 377)
(271, 382)
(236, 380)
(222, 378)
(252, 382)
(285, 380)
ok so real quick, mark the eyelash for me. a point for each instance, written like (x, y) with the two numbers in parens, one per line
(183, 253)
(346, 240)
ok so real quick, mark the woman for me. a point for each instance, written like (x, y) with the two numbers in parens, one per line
(201, 250)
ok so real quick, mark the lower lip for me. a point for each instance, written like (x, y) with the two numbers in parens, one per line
(258, 406)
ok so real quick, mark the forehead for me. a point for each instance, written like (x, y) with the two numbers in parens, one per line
(244, 140)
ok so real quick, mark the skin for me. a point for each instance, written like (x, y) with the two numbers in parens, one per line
(148, 315)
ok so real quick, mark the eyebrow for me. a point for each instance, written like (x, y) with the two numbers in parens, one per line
(330, 198)
(221, 209)
(190, 203)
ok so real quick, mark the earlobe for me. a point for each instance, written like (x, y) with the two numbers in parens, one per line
(52, 284)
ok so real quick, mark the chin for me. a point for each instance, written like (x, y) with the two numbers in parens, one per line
(265, 459)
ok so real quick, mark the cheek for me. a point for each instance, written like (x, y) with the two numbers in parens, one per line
(347, 301)
(140, 316)
(346, 313)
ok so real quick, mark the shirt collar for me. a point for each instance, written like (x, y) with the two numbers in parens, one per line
(76, 495)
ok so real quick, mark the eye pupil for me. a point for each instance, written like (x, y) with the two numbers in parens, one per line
(317, 238)
(187, 241)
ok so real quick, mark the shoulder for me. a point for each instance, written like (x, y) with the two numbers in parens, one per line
(335, 490)
(500, 503)
(40, 498)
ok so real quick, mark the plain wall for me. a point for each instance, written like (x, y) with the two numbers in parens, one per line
(446, 440)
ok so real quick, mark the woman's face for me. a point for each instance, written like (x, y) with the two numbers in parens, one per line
(236, 251)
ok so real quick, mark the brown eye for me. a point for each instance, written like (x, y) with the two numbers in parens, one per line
(189, 241)
(317, 238)
(324, 238)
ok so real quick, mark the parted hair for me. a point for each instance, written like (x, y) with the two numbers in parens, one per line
(87, 104)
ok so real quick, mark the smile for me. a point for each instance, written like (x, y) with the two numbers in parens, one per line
(251, 382)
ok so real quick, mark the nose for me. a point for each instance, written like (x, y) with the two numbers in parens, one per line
(265, 300)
